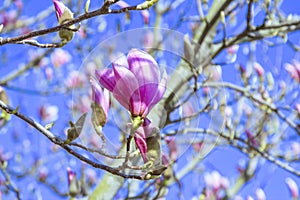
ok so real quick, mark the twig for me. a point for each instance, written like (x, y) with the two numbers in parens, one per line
(23, 69)
(37, 44)
(8, 183)
(247, 94)
(60, 142)
(249, 15)
(99, 151)
(103, 10)
(245, 150)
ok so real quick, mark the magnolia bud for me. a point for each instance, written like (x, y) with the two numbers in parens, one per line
(64, 14)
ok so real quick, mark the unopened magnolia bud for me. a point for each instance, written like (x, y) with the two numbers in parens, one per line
(64, 14)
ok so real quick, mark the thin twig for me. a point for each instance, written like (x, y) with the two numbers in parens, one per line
(60, 142)
(9, 184)
(102, 11)
(248, 94)
(99, 151)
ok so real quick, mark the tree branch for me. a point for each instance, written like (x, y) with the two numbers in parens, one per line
(60, 142)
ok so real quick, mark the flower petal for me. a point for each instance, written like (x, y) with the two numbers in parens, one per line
(126, 89)
(143, 66)
(59, 8)
(120, 61)
(159, 92)
(106, 78)
(140, 137)
(140, 141)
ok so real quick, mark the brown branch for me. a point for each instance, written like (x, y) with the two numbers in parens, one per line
(245, 150)
(8, 183)
(248, 94)
(56, 140)
(249, 15)
(211, 23)
(102, 11)
(99, 151)
(37, 44)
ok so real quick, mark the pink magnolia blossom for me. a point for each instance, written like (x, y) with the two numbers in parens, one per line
(214, 72)
(148, 40)
(60, 57)
(145, 13)
(59, 8)
(9, 17)
(173, 150)
(297, 107)
(233, 49)
(232, 53)
(215, 184)
(43, 174)
(49, 73)
(100, 96)
(71, 174)
(251, 139)
(136, 82)
(215, 181)
(294, 70)
(75, 80)
(293, 187)
(259, 69)
(260, 194)
(295, 147)
(140, 137)
(48, 113)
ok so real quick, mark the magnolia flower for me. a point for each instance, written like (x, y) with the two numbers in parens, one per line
(48, 113)
(259, 69)
(145, 13)
(294, 70)
(293, 188)
(136, 82)
(60, 57)
(75, 80)
(214, 72)
(73, 183)
(232, 53)
(233, 49)
(140, 137)
(251, 139)
(9, 17)
(172, 145)
(63, 14)
(101, 98)
(260, 194)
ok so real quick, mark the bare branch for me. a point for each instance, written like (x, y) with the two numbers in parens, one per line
(60, 142)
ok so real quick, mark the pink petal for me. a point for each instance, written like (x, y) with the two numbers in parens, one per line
(158, 93)
(140, 137)
(106, 78)
(143, 66)
(121, 61)
(140, 141)
(59, 8)
(100, 96)
(126, 90)
(106, 100)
